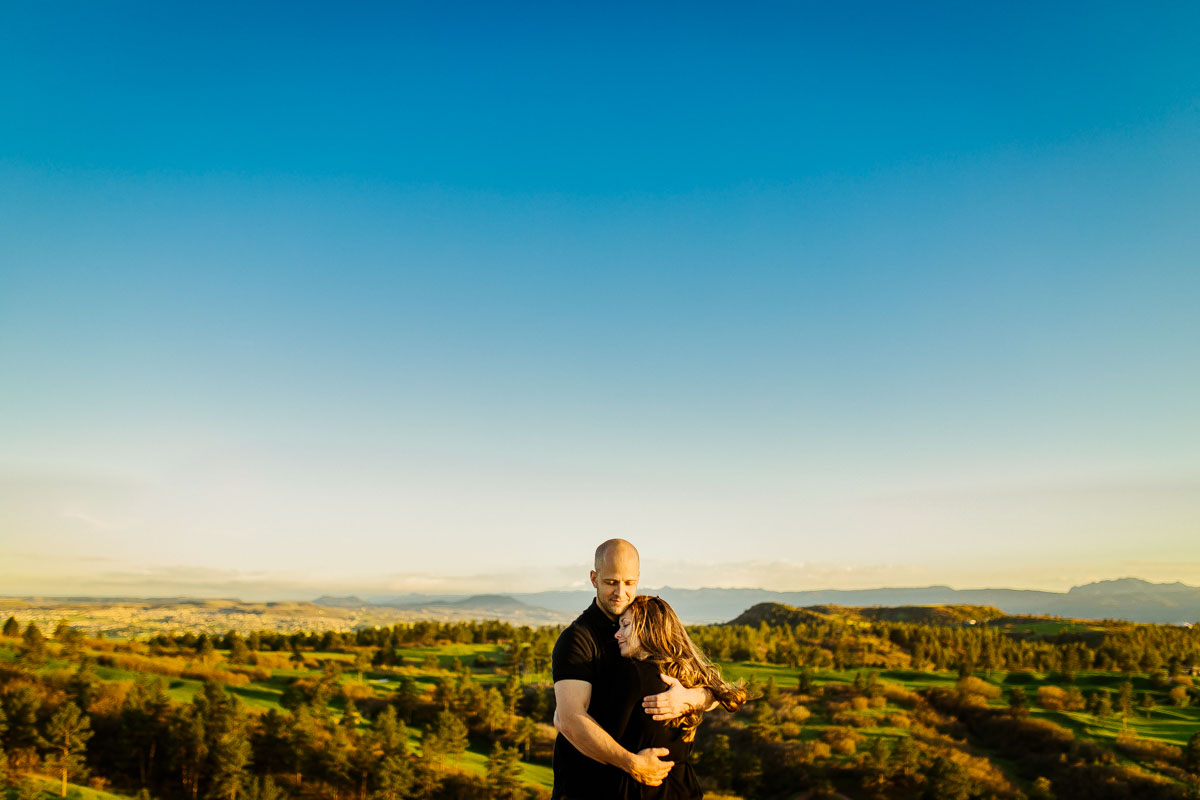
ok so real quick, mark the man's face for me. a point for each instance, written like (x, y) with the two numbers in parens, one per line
(616, 583)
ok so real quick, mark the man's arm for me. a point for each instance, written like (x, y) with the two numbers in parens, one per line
(678, 700)
(572, 721)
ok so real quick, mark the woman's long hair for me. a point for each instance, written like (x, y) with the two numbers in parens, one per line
(667, 644)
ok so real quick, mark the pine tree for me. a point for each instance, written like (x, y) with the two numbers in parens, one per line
(771, 693)
(525, 734)
(881, 752)
(230, 758)
(907, 756)
(204, 648)
(718, 761)
(1125, 701)
(335, 760)
(406, 698)
(83, 686)
(804, 685)
(189, 747)
(448, 737)
(239, 653)
(543, 705)
(28, 789)
(143, 717)
(1147, 703)
(1191, 754)
(12, 628)
(947, 781)
(1018, 704)
(762, 723)
(511, 692)
(494, 713)
(265, 789)
(22, 738)
(389, 736)
(33, 647)
(446, 693)
(1040, 790)
(67, 734)
(504, 773)
(393, 779)
(427, 777)
(301, 735)
(350, 715)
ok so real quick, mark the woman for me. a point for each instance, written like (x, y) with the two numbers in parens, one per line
(655, 641)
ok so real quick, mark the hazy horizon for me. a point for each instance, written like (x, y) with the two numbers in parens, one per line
(210, 584)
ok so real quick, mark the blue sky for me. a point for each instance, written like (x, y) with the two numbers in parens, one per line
(441, 296)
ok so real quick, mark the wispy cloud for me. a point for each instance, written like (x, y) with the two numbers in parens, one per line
(93, 522)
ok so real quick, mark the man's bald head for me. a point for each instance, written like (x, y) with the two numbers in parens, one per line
(616, 576)
(616, 550)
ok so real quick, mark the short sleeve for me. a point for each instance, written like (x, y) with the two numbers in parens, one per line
(575, 657)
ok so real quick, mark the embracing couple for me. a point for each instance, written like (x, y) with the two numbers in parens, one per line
(630, 689)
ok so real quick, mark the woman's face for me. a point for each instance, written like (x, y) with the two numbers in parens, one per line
(627, 639)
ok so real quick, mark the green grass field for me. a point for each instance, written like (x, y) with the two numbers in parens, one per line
(51, 787)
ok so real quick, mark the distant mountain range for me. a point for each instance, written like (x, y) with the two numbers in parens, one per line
(1131, 599)
(449, 609)
(1127, 599)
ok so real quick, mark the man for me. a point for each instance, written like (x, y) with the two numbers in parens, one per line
(587, 669)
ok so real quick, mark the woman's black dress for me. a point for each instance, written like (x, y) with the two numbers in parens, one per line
(640, 731)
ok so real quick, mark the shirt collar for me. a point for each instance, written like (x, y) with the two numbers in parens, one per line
(599, 618)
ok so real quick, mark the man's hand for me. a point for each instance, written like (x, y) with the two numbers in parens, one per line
(675, 701)
(646, 768)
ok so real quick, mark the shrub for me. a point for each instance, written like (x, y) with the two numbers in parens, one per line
(968, 686)
(1133, 746)
(256, 673)
(817, 750)
(831, 735)
(845, 747)
(790, 730)
(796, 714)
(901, 696)
(1053, 698)
(853, 720)
(353, 690)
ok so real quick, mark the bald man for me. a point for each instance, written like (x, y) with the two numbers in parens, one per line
(587, 673)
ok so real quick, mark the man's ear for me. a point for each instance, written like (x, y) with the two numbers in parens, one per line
(592, 575)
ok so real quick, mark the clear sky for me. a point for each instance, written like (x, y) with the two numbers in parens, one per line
(438, 297)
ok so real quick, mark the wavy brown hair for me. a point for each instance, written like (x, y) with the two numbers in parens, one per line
(665, 642)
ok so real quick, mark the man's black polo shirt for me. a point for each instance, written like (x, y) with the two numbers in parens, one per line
(587, 651)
